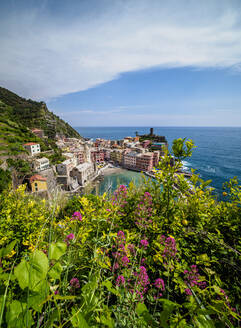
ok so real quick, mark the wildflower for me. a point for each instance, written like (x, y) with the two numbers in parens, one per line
(170, 249)
(192, 277)
(131, 248)
(115, 266)
(142, 281)
(125, 260)
(120, 280)
(188, 291)
(70, 236)
(74, 282)
(121, 234)
(76, 216)
(159, 284)
(108, 210)
(144, 243)
(11, 254)
(56, 292)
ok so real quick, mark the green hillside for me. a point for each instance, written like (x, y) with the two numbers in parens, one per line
(33, 114)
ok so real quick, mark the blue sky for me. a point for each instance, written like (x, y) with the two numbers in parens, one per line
(126, 63)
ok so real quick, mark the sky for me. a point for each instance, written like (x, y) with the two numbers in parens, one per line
(126, 62)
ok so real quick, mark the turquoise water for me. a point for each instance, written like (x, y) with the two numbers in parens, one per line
(110, 182)
(217, 156)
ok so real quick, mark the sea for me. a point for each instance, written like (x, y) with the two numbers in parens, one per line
(217, 155)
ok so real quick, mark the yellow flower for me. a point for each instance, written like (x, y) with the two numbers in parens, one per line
(31, 247)
(26, 243)
(11, 254)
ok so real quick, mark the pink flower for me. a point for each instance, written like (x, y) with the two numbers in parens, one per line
(144, 243)
(125, 260)
(70, 236)
(121, 234)
(76, 216)
(120, 280)
(188, 291)
(74, 282)
(159, 283)
(108, 210)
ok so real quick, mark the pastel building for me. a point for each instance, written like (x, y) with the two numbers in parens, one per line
(38, 183)
(41, 164)
(97, 156)
(83, 173)
(32, 147)
(144, 162)
(65, 167)
(129, 160)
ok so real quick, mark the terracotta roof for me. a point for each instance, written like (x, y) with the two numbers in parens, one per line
(30, 144)
(37, 177)
(37, 130)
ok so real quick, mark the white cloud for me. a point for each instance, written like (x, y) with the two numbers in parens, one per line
(43, 57)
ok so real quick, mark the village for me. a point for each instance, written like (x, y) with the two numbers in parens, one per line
(87, 159)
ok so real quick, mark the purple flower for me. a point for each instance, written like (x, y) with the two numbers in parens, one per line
(70, 237)
(192, 277)
(159, 283)
(125, 261)
(76, 216)
(144, 243)
(108, 210)
(188, 291)
(120, 280)
(74, 282)
(121, 234)
(131, 248)
(170, 249)
(56, 292)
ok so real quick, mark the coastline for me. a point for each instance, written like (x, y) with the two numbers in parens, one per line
(112, 170)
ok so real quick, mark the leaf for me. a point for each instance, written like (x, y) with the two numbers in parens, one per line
(55, 271)
(110, 288)
(18, 316)
(168, 307)
(57, 250)
(203, 322)
(142, 311)
(141, 308)
(8, 249)
(30, 274)
(78, 319)
(37, 299)
(22, 274)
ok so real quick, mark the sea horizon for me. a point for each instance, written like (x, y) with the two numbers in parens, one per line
(217, 155)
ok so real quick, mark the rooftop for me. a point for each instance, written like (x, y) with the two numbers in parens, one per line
(31, 144)
(37, 177)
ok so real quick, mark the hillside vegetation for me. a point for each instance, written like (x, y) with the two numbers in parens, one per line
(33, 114)
(17, 117)
(152, 256)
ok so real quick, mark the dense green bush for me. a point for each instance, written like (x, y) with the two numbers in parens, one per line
(165, 254)
(5, 179)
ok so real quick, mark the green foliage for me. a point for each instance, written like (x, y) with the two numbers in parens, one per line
(21, 166)
(5, 179)
(33, 114)
(166, 254)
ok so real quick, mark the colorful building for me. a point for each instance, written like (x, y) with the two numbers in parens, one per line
(32, 147)
(38, 183)
(41, 164)
(38, 132)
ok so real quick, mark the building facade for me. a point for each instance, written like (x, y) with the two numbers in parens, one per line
(41, 164)
(33, 148)
(38, 183)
